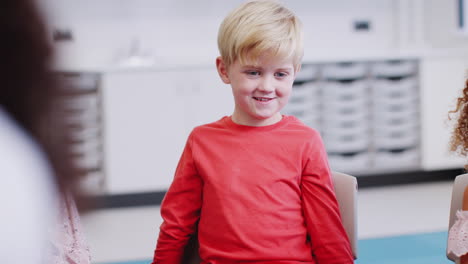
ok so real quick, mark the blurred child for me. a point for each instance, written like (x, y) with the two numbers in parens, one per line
(458, 234)
(37, 173)
(255, 185)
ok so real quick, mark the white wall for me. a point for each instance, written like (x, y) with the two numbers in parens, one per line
(186, 30)
(441, 25)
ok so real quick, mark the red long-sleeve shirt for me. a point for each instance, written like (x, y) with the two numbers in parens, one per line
(260, 194)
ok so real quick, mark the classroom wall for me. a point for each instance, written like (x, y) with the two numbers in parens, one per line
(185, 31)
(441, 29)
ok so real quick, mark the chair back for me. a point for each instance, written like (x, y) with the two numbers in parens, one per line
(459, 185)
(346, 188)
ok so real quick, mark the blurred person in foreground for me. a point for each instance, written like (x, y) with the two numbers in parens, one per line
(39, 222)
(458, 233)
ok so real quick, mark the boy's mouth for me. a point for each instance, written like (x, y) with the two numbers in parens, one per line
(263, 99)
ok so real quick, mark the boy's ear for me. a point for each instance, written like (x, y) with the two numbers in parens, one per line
(222, 70)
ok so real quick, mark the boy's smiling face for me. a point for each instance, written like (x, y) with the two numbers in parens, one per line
(260, 89)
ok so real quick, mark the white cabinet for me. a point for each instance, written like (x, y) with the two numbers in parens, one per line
(209, 99)
(442, 80)
(143, 130)
(147, 118)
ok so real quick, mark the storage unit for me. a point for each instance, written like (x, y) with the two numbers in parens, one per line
(395, 121)
(81, 108)
(366, 111)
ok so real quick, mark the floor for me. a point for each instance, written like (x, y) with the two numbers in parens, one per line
(425, 248)
(397, 225)
(413, 249)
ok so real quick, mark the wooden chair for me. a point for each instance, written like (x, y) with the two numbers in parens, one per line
(346, 194)
(460, 185)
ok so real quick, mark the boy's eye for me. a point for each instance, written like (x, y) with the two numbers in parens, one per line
(281, 74)
(253, 73)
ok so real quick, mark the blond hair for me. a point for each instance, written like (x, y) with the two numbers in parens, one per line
(257, 27)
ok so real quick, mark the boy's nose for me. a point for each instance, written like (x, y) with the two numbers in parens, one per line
(266, 85)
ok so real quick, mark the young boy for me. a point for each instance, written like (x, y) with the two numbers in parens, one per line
(256, 185)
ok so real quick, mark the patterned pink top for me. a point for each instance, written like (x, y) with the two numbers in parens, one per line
(458, 235)
(69, 245)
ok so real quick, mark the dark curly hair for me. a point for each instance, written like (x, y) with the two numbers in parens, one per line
(459, 140)
(29, 89)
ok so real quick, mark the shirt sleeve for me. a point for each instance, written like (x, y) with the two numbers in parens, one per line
(180, 210)
(329, 241)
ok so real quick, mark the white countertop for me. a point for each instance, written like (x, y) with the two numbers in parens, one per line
(164, 64)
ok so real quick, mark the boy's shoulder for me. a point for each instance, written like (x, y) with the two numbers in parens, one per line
(210, 127)
(297, 126)
(305, 136)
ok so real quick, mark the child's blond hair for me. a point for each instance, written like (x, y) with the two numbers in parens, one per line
(257, 27)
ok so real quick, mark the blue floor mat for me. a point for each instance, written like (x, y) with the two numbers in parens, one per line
(408, 249)
(415, 249)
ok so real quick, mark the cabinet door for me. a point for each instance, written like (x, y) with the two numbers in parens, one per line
(144, 131)
(442, 80)
(209, 98)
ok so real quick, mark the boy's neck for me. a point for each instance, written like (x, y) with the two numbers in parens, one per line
(256, 122)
